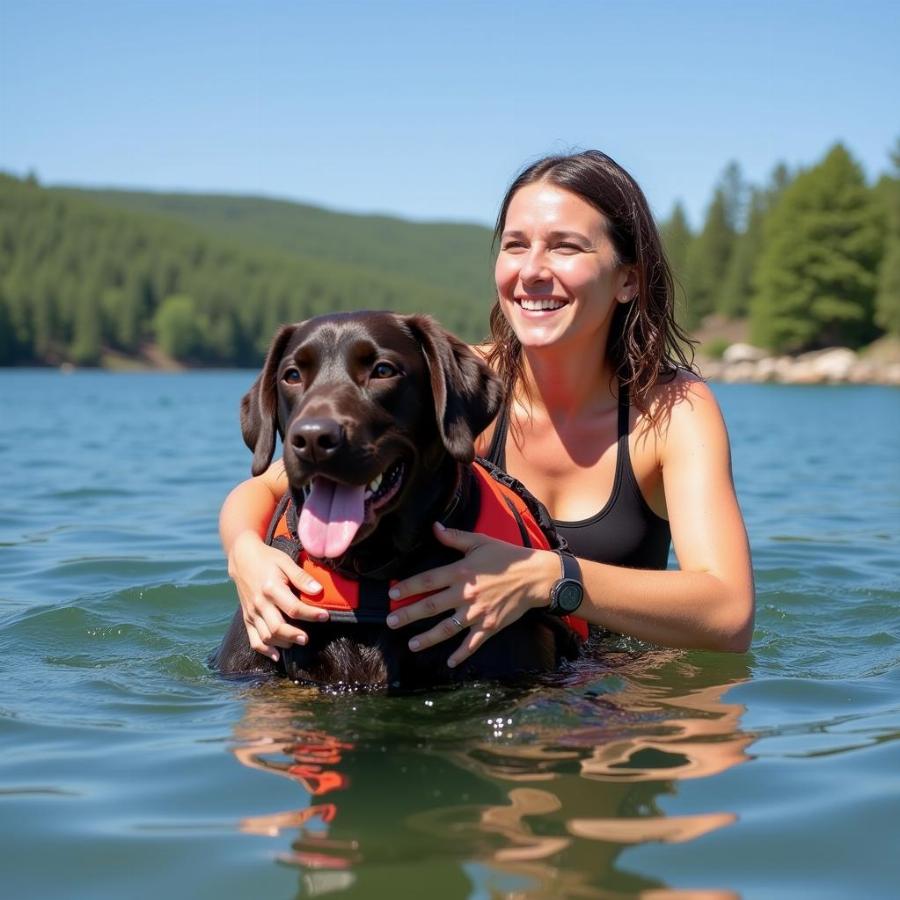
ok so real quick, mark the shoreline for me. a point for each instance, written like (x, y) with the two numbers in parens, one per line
(739, 364)
(746, 364)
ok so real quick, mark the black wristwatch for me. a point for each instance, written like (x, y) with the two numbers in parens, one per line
(568, 592)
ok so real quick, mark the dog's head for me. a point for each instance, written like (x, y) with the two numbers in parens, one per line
(369, 407)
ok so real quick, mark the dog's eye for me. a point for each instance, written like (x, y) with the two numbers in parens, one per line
(384, 370)
(291, 376)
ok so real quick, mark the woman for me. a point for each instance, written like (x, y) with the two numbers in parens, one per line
(602, 403)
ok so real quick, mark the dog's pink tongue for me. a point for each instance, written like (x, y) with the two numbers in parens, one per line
(331, 516)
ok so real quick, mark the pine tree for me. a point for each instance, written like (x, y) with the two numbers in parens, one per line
(816, 275)
(9, 348)
(85, 349)
(737, 285)
(175, 326)
(677, 236)
(887, 301)
(710, 252)
(735, 193)
(887, 309)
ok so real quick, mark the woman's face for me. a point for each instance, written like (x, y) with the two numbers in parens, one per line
(557, 274)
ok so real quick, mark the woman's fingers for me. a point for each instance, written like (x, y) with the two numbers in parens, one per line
(259, 645)
(429, 606)
(276, 592)
(470, 643)
(424, 583)
(303, 581)
(449, 627)
(265, 579)
(280, 633)
(464, 541)
(443, 576)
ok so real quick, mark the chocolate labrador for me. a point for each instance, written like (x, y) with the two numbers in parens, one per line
(377, 413)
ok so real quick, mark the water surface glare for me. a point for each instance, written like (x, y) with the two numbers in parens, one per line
(130, 770)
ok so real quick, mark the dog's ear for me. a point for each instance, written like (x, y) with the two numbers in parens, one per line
(467, 393)
(259, 406)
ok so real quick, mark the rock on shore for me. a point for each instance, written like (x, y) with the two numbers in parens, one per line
(836, 365)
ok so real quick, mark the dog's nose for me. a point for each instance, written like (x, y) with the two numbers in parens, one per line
(314, 440)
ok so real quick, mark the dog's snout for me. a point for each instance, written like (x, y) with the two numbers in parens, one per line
(315, 440)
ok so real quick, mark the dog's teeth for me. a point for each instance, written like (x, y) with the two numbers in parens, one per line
(375, 483)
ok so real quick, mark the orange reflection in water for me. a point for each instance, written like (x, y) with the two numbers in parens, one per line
(518, 808)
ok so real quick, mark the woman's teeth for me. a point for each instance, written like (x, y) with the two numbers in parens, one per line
(539, 305)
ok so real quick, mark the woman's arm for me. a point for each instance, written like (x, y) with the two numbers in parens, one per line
(708, 603)
(263, 574)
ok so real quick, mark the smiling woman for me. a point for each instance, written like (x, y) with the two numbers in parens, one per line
(541, 270)
(610, 427)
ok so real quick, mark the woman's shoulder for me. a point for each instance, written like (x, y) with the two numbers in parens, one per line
(683, 409)
(677, 397)
(678, 387)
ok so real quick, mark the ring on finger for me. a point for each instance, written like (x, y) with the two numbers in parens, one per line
(455, 620)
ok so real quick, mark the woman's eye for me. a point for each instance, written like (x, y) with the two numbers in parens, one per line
(291, 376)
(513, 247)
(384, 370)
(568, 248)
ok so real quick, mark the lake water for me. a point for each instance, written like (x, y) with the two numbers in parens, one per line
(128, 769)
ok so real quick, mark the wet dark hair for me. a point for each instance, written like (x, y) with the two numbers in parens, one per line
(646, 345)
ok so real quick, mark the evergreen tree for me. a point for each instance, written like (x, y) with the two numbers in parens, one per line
(887, 310)
(735, 194)
(711, 251)
(176, 326)
(17, 290)
(85, 349)
(781, 178)
(816, 275)
(737, 285)
(737, 282)
(44, 312)
(677, 236)
(887, 301)
(9, 348)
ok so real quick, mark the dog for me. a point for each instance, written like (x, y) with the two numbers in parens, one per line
(377, 413)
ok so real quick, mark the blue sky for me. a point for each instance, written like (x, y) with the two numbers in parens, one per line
(426, 110)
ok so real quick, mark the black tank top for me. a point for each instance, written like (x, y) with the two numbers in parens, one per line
(626, 532)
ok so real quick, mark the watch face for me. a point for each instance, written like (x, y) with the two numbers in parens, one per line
(569, 596)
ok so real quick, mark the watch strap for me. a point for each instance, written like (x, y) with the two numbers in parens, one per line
(569, 567)
(569, 572)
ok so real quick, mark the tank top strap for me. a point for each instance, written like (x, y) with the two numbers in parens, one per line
(496, 453)
(623, 453)
(497, 450)
(624, 406)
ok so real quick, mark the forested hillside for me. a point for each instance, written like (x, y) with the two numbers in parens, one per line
(453, 256)
(78, 278)
(808, 260)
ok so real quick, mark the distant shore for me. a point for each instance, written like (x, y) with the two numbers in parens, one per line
(738, 363)
(835, 365)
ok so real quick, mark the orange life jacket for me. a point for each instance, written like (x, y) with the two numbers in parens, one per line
(502, 513)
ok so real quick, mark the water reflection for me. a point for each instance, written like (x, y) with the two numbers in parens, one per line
(527, 792)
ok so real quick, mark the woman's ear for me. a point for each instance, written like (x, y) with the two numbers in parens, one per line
(629, 287)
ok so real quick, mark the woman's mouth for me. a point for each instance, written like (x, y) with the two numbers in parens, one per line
(539, 306)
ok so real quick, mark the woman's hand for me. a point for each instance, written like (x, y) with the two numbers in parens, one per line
(492, 586)
(263, 576)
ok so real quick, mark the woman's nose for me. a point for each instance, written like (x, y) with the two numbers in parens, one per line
(534, 266)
